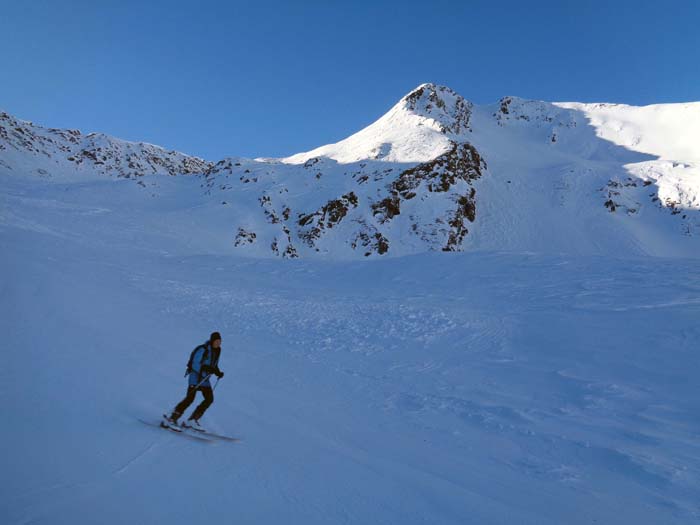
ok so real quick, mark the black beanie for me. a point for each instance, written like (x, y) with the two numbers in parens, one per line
(214, 336)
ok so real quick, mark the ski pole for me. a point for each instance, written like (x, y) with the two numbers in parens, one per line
(217, 382)
(202, 381)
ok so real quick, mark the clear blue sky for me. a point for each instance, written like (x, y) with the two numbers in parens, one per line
(274, 78)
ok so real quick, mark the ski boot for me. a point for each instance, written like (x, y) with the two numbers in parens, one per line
(170, 422)
(193, 424)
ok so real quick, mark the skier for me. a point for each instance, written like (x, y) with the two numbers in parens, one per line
(204, 362)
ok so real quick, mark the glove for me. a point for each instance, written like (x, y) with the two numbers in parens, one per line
(219, 374)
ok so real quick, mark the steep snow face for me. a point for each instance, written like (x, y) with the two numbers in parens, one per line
(669, 131)
(436, 172)
(29, 149)
(417, 129)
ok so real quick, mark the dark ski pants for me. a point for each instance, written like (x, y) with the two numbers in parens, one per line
(189, 398)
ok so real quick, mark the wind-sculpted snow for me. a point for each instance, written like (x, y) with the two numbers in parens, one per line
(435, 173)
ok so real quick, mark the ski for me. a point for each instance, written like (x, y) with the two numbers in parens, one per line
(210, 434)
(181, 432)
(218, 436)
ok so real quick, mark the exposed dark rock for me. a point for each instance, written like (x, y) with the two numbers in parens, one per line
(429, 100)
(505, 102)
(371, 240)
(466, 209)
(312, 225)
(461, 162)
(387, 208)
(244, 237)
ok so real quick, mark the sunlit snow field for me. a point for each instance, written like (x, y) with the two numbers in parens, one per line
(480, 388)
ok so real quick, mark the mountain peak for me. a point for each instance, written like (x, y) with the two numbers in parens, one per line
(440, 103)
(418, 128)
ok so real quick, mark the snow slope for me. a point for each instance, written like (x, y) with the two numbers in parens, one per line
(545, 375)
(482, 387)
(669, 131)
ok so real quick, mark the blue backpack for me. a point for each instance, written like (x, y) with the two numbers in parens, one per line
(189, 370)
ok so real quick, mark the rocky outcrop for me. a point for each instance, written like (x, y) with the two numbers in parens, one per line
(629, 195)
(461, 162)
(514, 110)
(466, 209)
(451, 112)
(370, 241)
(244, 237)
(313, 225)
(617, 199)
(70, 150)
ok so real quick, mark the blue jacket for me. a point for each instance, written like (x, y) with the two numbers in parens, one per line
(204, 359)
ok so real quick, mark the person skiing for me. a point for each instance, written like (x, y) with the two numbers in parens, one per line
(204, 362)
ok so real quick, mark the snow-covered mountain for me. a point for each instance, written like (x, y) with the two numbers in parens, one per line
(436, 172)
(490, 387)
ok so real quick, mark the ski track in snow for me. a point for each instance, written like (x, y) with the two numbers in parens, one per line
(133, 460)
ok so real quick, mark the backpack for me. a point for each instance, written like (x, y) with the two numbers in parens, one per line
(189, 370)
